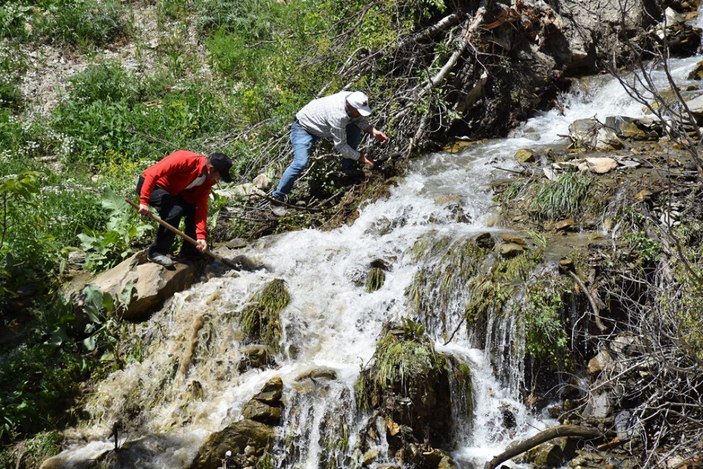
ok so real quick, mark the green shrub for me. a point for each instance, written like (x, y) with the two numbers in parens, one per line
(117, 122)
(106, 81)
(232, 57)
(81, 23)
(38, 382)
(32, 451)
(13, 16)
(545, 331)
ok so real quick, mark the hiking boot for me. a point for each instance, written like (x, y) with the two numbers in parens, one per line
(161, 259)
(278, 205)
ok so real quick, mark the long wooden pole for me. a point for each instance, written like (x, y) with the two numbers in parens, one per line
(178, 232)
(521, 446)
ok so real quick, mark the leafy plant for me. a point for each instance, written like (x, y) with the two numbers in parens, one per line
(81, 23)
(412, 330)
(103, 311)
(545, 334)
(38, 381)
(104, 81)
(107, 248)
(408, 366)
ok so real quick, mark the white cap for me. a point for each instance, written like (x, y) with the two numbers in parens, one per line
(360, 102)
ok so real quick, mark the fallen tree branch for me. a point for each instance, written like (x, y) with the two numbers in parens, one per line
(594, 306)
(452, 61)
(520, 447)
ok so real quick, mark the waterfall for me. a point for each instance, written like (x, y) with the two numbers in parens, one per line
(188, 383)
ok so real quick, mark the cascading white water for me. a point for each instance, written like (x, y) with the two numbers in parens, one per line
(188, 385)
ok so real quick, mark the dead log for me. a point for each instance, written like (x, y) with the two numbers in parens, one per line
(519, 447)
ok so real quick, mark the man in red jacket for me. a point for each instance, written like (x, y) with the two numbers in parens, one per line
(178, 187)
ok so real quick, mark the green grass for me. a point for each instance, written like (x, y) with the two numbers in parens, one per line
(561, 197)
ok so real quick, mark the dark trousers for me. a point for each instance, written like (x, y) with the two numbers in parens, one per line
(171, 209)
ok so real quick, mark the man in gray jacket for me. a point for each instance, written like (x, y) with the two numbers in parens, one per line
(340, 117)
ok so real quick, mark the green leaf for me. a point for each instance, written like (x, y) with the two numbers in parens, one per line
(90, 343)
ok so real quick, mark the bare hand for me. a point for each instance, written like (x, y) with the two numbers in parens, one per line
(144, 210)
(201, 245)
(366, 161)
(379, 136)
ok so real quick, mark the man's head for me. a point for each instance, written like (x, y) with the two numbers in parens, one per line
(221, 163)
(360, 103)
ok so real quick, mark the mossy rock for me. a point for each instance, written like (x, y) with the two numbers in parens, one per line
(409, 381)
(260, 319)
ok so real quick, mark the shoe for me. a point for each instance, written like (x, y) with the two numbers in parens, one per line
(278, 200)
(277, 206)
(161, 259)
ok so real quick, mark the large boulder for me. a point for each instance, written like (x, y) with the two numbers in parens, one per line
(409, 385)
(150, 285)
(245, 439)
(592, 135)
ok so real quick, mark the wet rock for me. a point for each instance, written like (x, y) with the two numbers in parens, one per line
(524, 156)
(458, 213)
(370, 457)
(262, 412)
(255, 356)
(566, 265)
(624, 425)
(695, 105)
(508, 250)
(236, 243)
(235, 437)
(485, 241)
(380, 264)
(625, 344)
(599, 406)
(508, 413)
(630, 128)
(457, 145)
(564, 225)
(272, 391)
(697, 72)
(548, 454)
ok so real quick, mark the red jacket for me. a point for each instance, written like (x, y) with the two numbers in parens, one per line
(173, 174)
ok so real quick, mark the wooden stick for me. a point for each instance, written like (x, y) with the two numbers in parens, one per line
(520, 447)
(184, 236)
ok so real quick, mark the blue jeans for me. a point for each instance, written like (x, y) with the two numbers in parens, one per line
(302, 144)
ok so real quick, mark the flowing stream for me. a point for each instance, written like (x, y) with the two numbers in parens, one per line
(187, 385)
